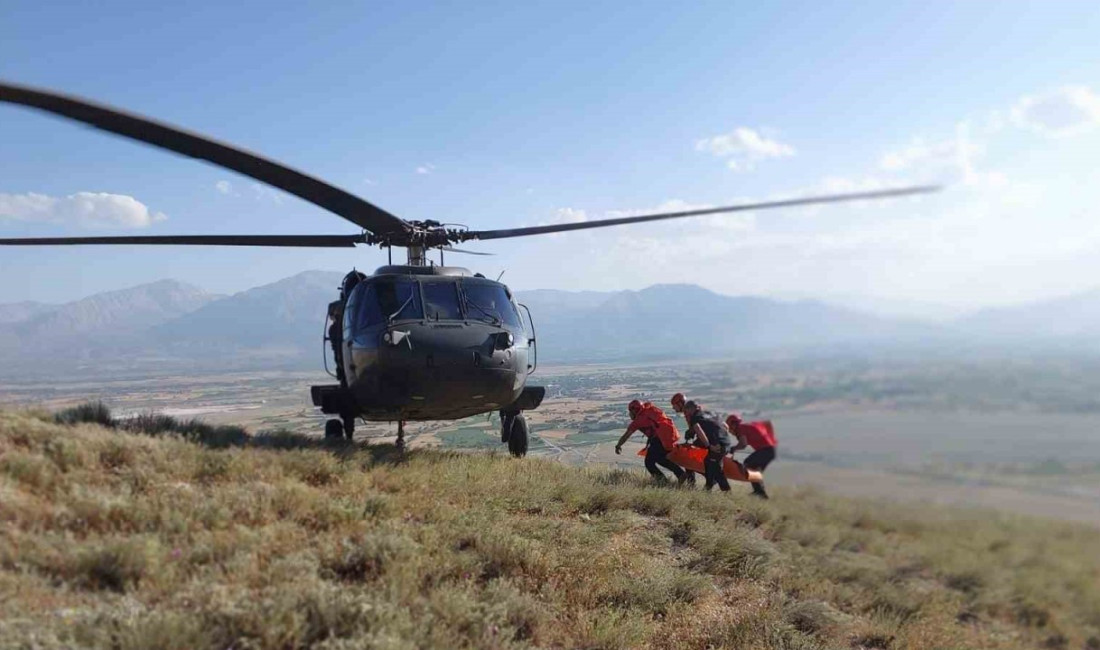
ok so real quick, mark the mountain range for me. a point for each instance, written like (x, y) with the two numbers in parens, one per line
(169, 323)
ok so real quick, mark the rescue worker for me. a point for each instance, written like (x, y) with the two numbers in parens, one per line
(336, 336)
(762, 441)
(678, 401)
(661, 436)
(711, 434)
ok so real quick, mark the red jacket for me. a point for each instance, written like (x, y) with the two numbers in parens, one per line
(652, 421)
(759, 435)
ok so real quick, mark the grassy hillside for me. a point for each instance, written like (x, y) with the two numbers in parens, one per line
(122, 540)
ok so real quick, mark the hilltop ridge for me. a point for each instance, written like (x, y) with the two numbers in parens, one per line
(115, 539)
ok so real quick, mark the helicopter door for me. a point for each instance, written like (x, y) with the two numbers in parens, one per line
(534, 364)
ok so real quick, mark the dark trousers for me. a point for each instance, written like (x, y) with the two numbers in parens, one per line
(656, 455)
(712, 468)
(759, 461)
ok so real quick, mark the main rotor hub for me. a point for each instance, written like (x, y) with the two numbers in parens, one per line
(419, 237)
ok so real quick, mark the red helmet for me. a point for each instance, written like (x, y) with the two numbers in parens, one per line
(733, 420)
(678, 401)
(634, 407)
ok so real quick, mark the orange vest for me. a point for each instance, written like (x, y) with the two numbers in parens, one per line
(652, 421)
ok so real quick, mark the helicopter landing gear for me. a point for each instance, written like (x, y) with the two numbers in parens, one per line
(400, 442)
(514, 431)
(348, 426)
(506, 420)
(334, 429)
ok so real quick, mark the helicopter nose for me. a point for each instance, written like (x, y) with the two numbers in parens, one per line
(447, 364)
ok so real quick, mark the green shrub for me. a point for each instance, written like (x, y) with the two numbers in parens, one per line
(89, 413)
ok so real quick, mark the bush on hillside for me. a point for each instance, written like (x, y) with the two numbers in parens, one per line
(89, 413)
(217, 436)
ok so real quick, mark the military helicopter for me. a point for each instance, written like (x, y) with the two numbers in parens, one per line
(411, 342)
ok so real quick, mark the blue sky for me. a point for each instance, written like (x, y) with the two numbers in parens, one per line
(503, 114)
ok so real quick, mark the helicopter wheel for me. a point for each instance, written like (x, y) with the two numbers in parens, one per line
(517, 436)
(506, 420)
(400, 442)
(334, 429)
(348, 426)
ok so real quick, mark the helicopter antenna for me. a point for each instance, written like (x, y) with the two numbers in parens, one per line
(501, 275)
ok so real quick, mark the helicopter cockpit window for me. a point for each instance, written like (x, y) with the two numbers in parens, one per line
(489, 303)
(441, 301)
(384, 300)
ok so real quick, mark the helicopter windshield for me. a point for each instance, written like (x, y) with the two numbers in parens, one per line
(387, 299)
(489, 303)
(441, 300)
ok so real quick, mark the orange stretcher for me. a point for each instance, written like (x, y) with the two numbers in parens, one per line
(691, 458)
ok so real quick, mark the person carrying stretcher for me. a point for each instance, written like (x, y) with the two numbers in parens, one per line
(761, 439)
(661, 436)
(710, 433)
(678, 401)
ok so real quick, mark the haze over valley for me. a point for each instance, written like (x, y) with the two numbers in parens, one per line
(169, 325)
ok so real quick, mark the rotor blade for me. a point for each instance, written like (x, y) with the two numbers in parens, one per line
(285, 241)
(166, 136)
(448, 249)
(786, 203)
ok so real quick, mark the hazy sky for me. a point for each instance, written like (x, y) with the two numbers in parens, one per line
(504, 114)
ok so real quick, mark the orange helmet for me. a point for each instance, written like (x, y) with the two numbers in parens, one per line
(678, 401)
(634, 407)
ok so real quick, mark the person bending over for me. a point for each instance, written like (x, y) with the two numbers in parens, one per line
(762, 441)
(661, 436)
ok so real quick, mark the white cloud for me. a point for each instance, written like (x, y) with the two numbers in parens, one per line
(84, 209)
(260, 191)
(266, 193)
(425, 169)
(950, 160)
(566, 215)
(1065, 111)
(743, 147)
(370, 182)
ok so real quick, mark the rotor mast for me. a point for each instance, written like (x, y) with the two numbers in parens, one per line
(416, 255)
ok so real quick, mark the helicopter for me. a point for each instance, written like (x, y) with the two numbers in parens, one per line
(411, 342)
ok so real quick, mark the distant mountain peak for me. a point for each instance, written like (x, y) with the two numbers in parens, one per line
(113, 315)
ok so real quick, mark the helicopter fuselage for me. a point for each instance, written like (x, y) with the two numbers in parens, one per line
(429, 343)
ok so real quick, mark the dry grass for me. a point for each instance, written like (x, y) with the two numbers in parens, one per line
(116, 540)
